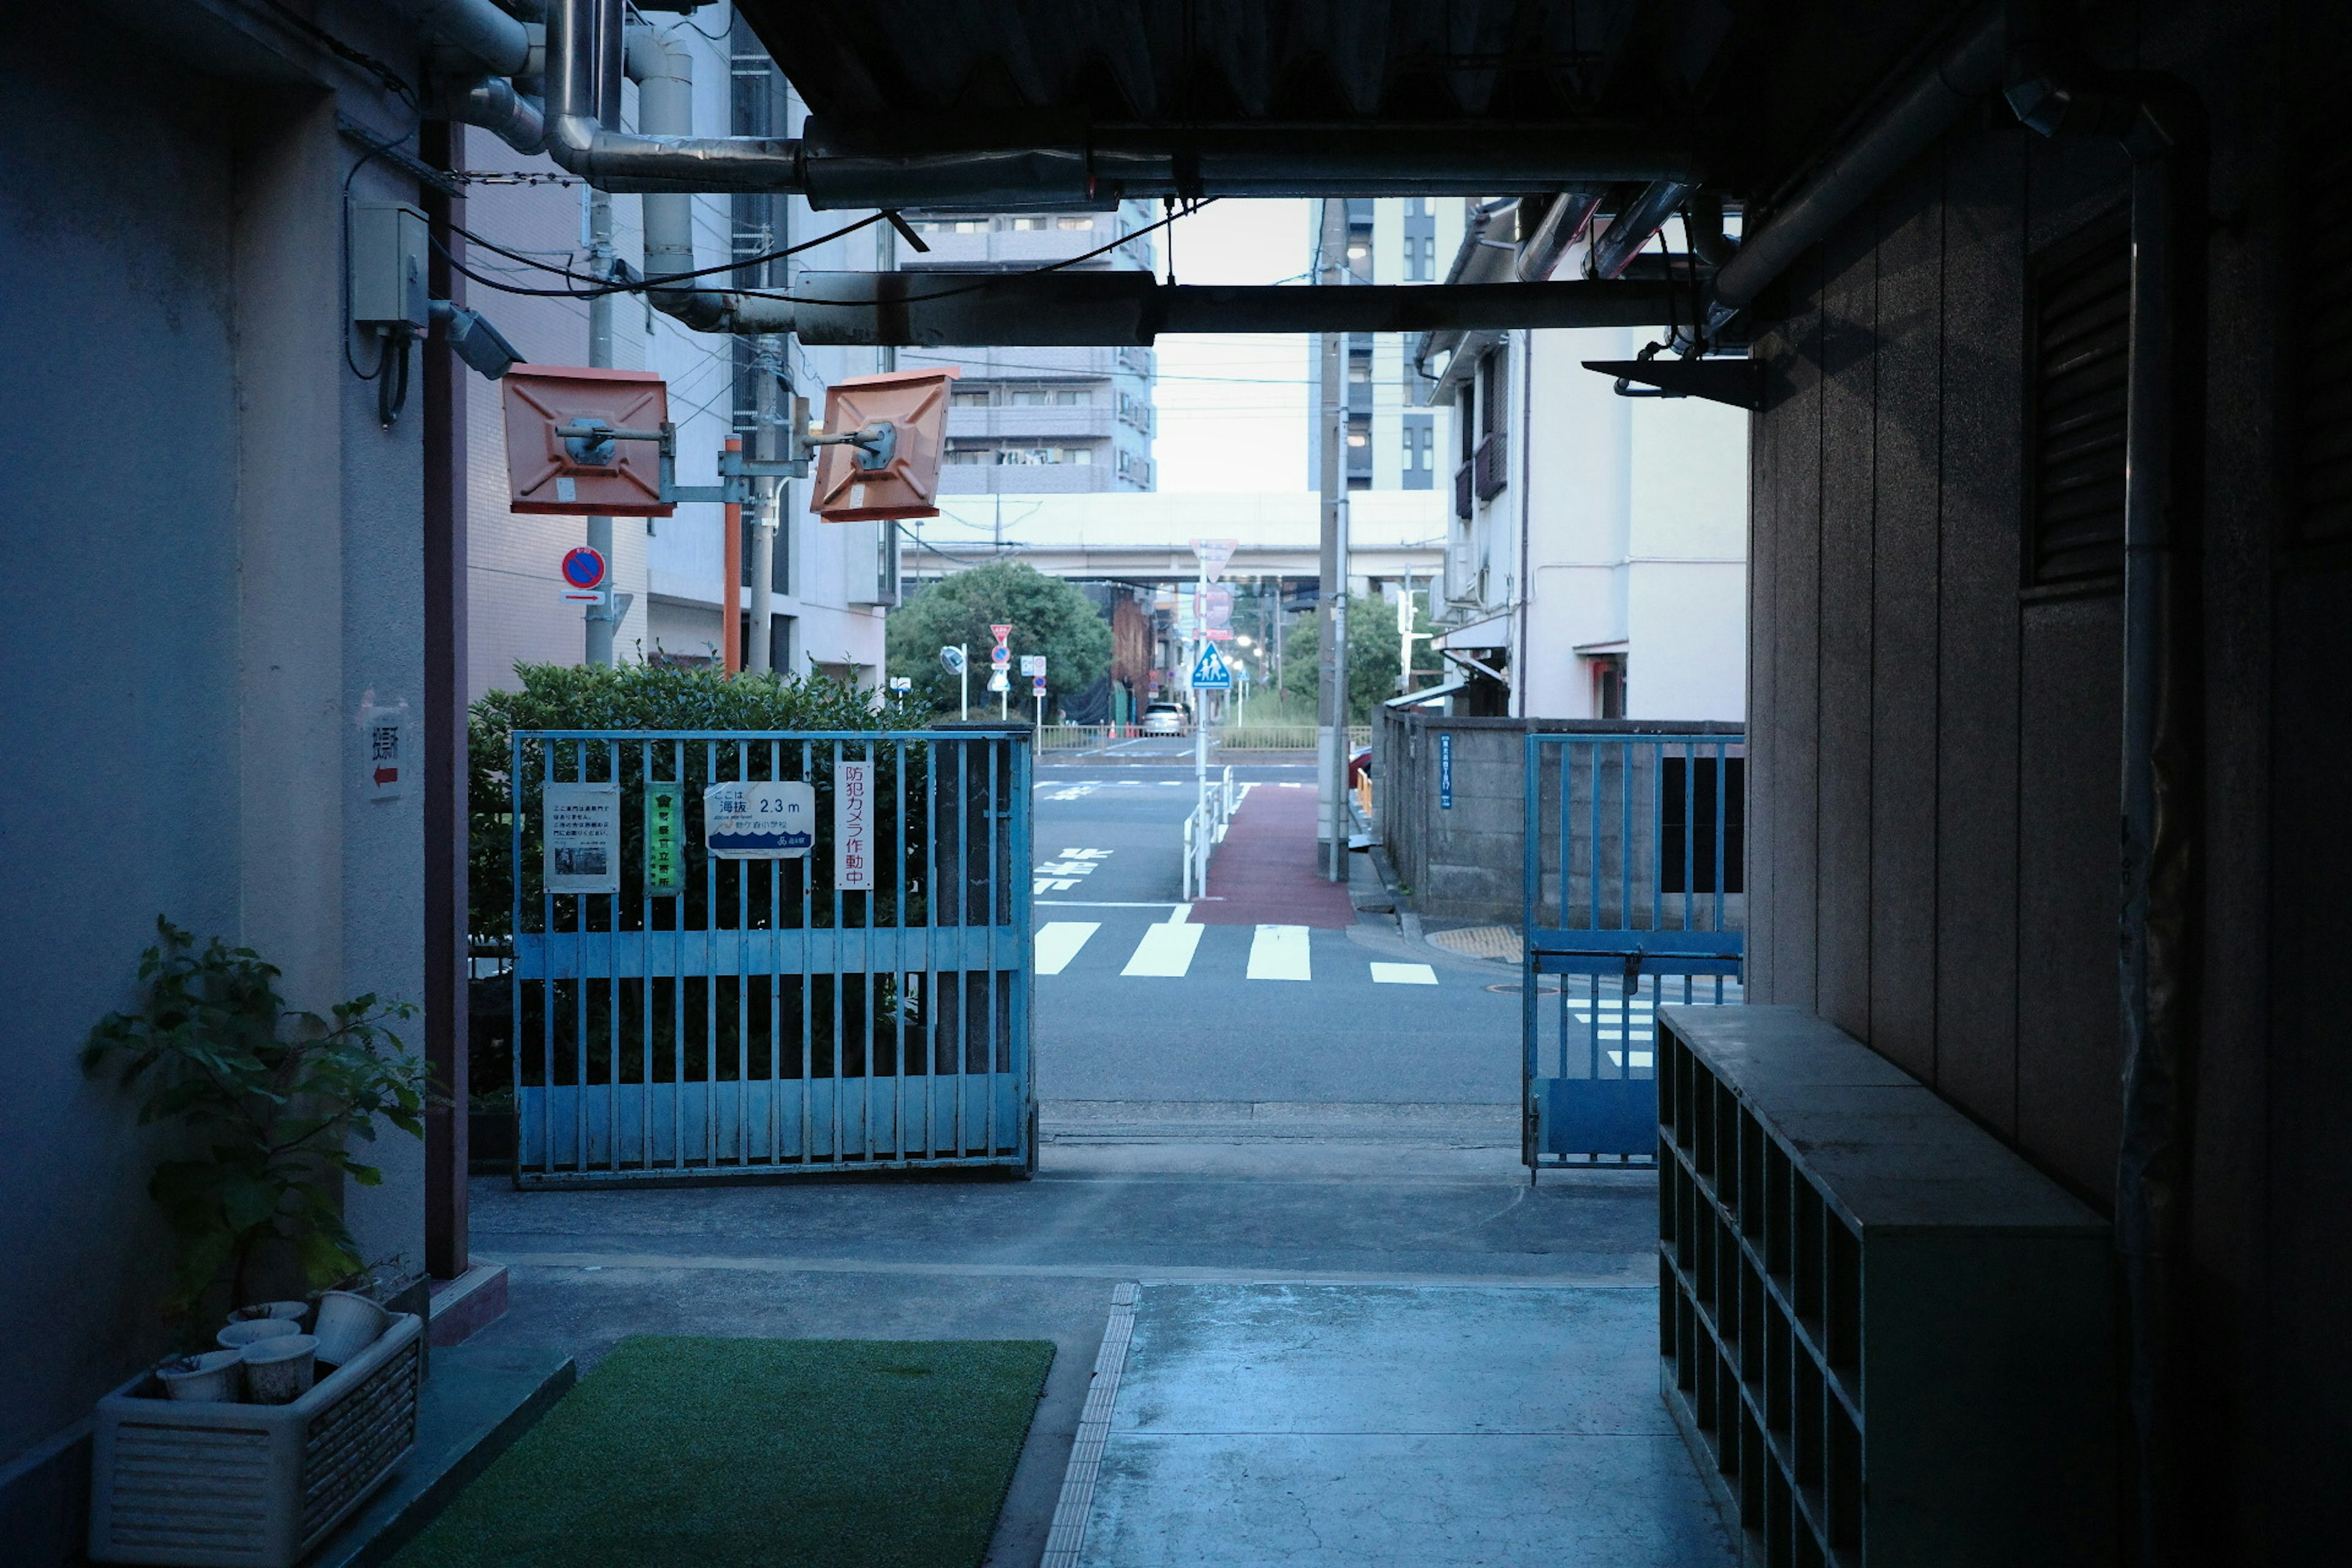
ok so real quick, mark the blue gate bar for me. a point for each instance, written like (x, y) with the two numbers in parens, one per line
(866, 1028)
(1628, 905)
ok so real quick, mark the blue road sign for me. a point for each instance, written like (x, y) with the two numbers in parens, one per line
(582, 568)
(1210, 671)
(1444, 770)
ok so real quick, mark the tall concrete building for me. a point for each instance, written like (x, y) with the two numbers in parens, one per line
(1393, 442)
(1039, 421)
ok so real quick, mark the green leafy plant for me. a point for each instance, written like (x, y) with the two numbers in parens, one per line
(274, 1098)
(1048, 616)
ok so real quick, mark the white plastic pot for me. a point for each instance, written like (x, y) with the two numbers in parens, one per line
(347, 1325)
(237, 1336)
(210, 1375)
(281, 1371)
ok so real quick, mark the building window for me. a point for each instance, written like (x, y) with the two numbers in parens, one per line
(1030, 398)
(968, 456)
(1073, 399)
(1360, 370)
(1028, 224)
(1077, 223)
(970, 400)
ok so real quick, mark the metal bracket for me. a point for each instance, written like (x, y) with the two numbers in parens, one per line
(589, 443)
(877, 444)
(1739, 381)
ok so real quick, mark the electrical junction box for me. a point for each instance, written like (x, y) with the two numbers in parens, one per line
(388, 280)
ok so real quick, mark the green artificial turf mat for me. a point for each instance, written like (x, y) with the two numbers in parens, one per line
(701, 1453)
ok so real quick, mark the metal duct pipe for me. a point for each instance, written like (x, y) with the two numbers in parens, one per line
(495, 104)
(584, 45)
(1561, 226)
(1970, 70)
(1631, 229)
(480, 31)
(929, 309)
(662, 70)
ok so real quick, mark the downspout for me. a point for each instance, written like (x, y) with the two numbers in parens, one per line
(2160, 124)
(1630, 230)
(662, 70)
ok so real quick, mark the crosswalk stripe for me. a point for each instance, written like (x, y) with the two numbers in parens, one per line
(1279, 952)
(1403, 974)
(1058, 941)
(1165, 950)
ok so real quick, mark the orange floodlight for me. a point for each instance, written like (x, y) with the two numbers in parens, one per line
(880, 452)
(576, 475)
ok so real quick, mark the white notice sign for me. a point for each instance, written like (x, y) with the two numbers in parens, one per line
(752, 820)
(852, 826)
(384, 763)
(583, 838)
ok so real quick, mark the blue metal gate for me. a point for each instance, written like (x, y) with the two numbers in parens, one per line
(1634, 880)
(860, 1002)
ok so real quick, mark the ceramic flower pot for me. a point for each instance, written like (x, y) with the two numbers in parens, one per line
(237, 1336)
(347, 1325)
(211, 1374)
(279, 1370)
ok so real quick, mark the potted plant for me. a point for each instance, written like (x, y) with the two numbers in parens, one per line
(271, 1102)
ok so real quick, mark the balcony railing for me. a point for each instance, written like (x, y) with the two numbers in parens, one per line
(1491, 466)
(1462, 492)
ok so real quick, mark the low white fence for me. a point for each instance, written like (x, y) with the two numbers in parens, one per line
(1205, 829)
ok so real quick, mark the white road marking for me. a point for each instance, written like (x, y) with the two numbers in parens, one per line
(1053, 885)
(1166, 951)
(1085, 854)
(1065, 868)
(1403, 974)
(1108, 904)
(1058, 941)
(1279, 952)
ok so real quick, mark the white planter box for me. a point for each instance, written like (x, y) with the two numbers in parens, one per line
(250, 1486)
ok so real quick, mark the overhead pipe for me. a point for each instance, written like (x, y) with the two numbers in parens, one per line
(1052, 309)
(480, 31)
(1932, 103)
(585, 50)
(1562, 223)
(1631, 229)
(495, 104)
(663, 68)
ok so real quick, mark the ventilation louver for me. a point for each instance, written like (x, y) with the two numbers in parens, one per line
(2082, 321)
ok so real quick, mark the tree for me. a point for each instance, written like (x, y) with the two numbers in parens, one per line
(1372, 650)
(1048, 616)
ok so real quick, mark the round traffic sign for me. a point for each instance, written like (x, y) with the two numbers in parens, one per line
(582, 568)
(1000, 655)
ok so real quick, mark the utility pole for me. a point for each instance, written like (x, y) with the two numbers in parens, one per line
(600, 610)
(1200, 699)
(766, 515)
(1331, 674)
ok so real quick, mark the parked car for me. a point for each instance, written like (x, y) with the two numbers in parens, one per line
(1166, 719)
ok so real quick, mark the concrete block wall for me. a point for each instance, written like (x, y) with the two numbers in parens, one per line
(1467, 862)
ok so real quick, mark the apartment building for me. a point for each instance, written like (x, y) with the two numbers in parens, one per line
(1595, 563)
(1393, 438)
(1037, 420)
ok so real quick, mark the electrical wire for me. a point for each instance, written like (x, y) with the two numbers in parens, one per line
(601, 285)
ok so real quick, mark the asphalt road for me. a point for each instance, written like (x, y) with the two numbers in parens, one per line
(1247, 1016)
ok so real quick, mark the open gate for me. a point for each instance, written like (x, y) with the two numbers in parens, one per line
(1633, 856)
(840, 981)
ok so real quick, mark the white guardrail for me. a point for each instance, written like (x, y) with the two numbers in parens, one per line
(1205, 829)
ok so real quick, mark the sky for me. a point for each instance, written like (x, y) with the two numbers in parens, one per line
(1233, 409)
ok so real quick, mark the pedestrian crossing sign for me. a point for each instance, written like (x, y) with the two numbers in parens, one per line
(1210, 671)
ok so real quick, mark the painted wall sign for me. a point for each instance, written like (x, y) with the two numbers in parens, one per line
(584, 837)
(753, 820)
(664, 840)
(1444, 770)
(852, 826)
(384, 745)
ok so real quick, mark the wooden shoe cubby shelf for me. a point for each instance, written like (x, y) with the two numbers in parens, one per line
(1888, 1337)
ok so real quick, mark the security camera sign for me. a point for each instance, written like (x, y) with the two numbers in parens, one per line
(749, 819)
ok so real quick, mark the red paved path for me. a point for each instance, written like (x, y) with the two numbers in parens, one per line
(1264, 873)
